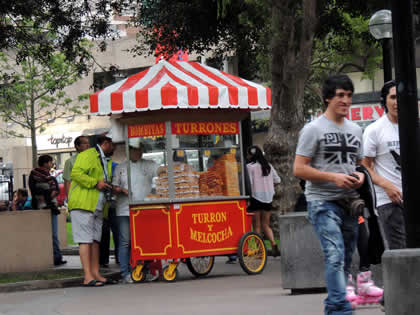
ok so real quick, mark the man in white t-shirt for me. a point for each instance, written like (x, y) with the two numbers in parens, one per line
(382, 158)
(142, 173)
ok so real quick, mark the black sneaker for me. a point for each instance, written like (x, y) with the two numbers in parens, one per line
(275, 251)
(59, 263)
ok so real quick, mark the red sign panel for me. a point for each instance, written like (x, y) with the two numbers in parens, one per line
(205, 128)
(186, 230)
(212, 226)
(365, 112)
(146, 130)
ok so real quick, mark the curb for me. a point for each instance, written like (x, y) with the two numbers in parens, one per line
(51, 284)
(74, 251)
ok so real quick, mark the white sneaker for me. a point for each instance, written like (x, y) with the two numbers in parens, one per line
(152, 277)
(350, 291)
(127, 279)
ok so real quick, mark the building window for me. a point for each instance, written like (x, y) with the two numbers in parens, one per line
(103, 79)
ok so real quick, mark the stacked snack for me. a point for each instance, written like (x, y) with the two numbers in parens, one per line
(185, 181)
(162, 186)
(211, 183)
(222, 178)
(229, 169)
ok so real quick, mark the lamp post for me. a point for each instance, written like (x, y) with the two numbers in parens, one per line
(408, 115)
(401, 267)
(380, 26)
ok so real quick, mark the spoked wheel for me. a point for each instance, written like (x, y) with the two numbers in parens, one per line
(137, 274)
(252, 253)
(170, 273)
(200, 266)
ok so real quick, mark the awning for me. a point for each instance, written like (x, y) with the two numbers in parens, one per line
(180, 84)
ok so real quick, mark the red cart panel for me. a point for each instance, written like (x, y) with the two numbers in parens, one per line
(187, 229)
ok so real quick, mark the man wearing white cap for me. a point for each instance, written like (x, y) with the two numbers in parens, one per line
(142, 173)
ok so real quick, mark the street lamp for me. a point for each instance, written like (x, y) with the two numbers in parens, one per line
(380, 26)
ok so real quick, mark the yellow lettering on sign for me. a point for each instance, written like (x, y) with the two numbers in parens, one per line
(225, 128)
(201, 127)
(193, 234)
(218, 129)
(210, 128)
(194, 129)
(146, 130)
(213, 217)
(211, 237)
(186, 128)
(178, 128)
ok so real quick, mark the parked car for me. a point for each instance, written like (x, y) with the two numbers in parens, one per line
(62, 196)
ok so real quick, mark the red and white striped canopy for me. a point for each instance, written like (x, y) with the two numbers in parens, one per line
(180, 84)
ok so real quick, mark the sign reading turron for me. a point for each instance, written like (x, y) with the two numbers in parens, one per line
(211, 236)
(213, 225)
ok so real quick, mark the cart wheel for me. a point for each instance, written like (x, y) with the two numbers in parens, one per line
(200, 266)
(137, 274)
(252, 253)
(169, 276)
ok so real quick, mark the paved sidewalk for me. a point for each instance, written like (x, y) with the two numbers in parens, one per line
(227, 290)
(73, 262)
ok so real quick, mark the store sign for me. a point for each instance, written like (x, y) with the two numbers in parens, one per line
(205, 128)
(360, 113)
(56, 141)
(146, 130)
(60, 140)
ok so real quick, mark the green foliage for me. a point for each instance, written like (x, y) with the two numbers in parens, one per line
(260, 125)
(243, 28)
(32, 91)
(227, 27)
(71, 22)
(347, 47)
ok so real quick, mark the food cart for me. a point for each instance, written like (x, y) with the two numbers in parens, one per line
(188, 117)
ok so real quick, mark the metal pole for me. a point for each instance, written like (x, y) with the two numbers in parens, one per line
(408, 115)
(387, 62)
(246, 133)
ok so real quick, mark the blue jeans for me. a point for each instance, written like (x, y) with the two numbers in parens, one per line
(56, 245)
(337, 233)
(124, 244)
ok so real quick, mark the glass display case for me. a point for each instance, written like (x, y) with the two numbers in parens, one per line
(187, 161)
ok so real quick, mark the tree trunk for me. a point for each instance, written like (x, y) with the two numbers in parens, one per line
(34, 148)
(293, 23)
(33, 136)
